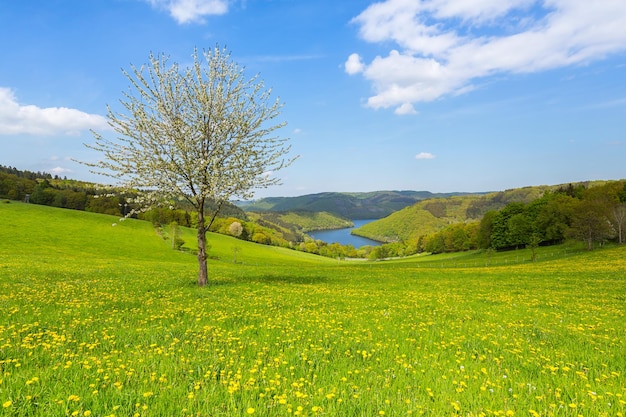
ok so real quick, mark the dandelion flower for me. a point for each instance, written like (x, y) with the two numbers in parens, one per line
(7, 404)
(250, 410)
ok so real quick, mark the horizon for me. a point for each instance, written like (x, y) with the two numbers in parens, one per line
(442, 96)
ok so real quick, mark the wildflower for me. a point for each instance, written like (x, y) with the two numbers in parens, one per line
(74, 398)
(250, 410)
(7, 404)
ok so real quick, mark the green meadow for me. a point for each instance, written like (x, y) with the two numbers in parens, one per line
(101, 317)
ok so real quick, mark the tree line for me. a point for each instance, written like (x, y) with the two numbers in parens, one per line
(42, 188)
(45, 189)
(594, 215)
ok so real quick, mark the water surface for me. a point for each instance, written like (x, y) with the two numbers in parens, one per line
(344, 237)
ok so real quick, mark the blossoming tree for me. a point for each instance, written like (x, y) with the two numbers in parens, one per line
(201, 133)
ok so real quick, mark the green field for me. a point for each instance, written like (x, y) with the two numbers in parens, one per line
(102, 318)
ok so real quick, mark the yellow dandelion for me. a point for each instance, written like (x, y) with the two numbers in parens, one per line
(250, 410)
(7, 404)
(87, 413)
(74, 398)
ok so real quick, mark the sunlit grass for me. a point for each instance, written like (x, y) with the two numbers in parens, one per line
(106, 320)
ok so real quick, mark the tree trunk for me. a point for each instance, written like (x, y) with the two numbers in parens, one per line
(203, 273)
(590, 238)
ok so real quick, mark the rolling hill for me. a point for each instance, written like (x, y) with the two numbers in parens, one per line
(353, 206)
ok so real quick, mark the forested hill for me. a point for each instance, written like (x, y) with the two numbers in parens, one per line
(430, 216)
(354, 206)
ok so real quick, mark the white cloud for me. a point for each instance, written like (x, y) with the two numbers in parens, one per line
(424, 155)
(191, 11)
(406, 108)
(443, 46)
(354, 65)
(17, 119)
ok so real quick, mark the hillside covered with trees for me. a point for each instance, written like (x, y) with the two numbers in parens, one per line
(353, 206)
(431, 215)
(594, 212)
(42, 188)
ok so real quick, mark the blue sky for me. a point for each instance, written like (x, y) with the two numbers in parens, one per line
(437, 95)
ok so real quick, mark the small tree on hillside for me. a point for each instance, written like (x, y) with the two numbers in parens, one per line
(235, 229)
(200, 134)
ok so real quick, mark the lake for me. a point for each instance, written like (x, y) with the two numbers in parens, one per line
(343, 236)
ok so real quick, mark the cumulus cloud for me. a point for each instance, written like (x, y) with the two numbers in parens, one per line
(354, 65)
(424, 155)
(16, 118)
(191, 11)
(443, 46)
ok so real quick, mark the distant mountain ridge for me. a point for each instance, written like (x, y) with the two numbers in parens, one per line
(353, 206)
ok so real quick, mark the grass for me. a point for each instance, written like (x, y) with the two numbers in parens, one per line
(106, 320)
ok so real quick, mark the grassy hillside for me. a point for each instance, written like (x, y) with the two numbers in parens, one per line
(103, 320)
(48, 234)
(372, 205)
